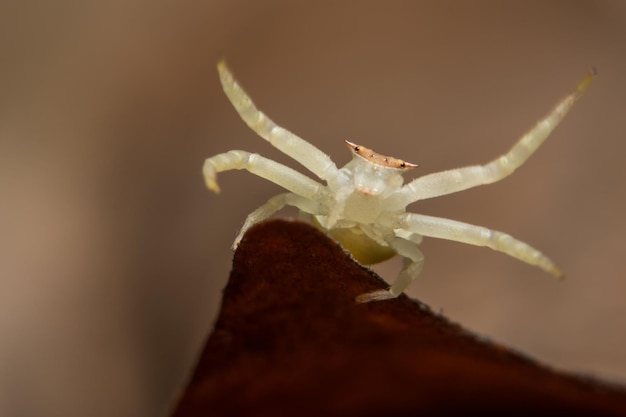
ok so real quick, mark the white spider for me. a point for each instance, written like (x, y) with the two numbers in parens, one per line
(363, 205)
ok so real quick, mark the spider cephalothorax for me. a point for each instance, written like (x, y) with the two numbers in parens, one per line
(363, 204)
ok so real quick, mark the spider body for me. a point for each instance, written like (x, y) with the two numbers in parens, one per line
(360, 202)
(363, 204)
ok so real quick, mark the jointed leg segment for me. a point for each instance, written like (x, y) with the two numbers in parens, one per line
(297, 148)
(460, 179)
(479, 236)
(273, 205)
(413, 264)
(282, 175)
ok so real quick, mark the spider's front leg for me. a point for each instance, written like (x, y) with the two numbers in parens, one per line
(413, 264)
(476, 235)
(279, 174)
(447, 182)
(292, 145)
(305, 192)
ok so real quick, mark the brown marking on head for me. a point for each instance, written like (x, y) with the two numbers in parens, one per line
(378, 159)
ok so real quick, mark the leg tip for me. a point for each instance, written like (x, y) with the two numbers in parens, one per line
(378, 295)
(586, 81)
(212, 185)
(208, 170)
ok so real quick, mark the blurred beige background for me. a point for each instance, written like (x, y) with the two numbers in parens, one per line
(113, 254)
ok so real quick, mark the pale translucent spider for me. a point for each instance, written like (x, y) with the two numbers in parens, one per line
(363, 205)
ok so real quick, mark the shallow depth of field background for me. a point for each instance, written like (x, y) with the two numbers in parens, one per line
(113, 254)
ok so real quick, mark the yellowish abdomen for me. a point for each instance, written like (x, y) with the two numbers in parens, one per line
(363, 248)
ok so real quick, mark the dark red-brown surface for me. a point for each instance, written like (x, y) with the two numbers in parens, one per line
(290, 340)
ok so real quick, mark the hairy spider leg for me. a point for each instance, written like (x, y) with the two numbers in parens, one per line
(438, 227)
(413, 264)
(292, 145)
(454, 180)
(275, 204)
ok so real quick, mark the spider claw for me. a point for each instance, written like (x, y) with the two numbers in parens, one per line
(210, 177)
(585, 82)
(212, 185)
(557, 273)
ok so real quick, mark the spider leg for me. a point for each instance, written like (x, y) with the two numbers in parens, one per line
(282, 175)
(413, 264)
(460, 179)
(273, 205)
(297, 148)
(476, 235)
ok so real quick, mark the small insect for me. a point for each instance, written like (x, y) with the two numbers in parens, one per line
(363, 204)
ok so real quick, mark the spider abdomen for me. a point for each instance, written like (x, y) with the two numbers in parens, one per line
(363, 248)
